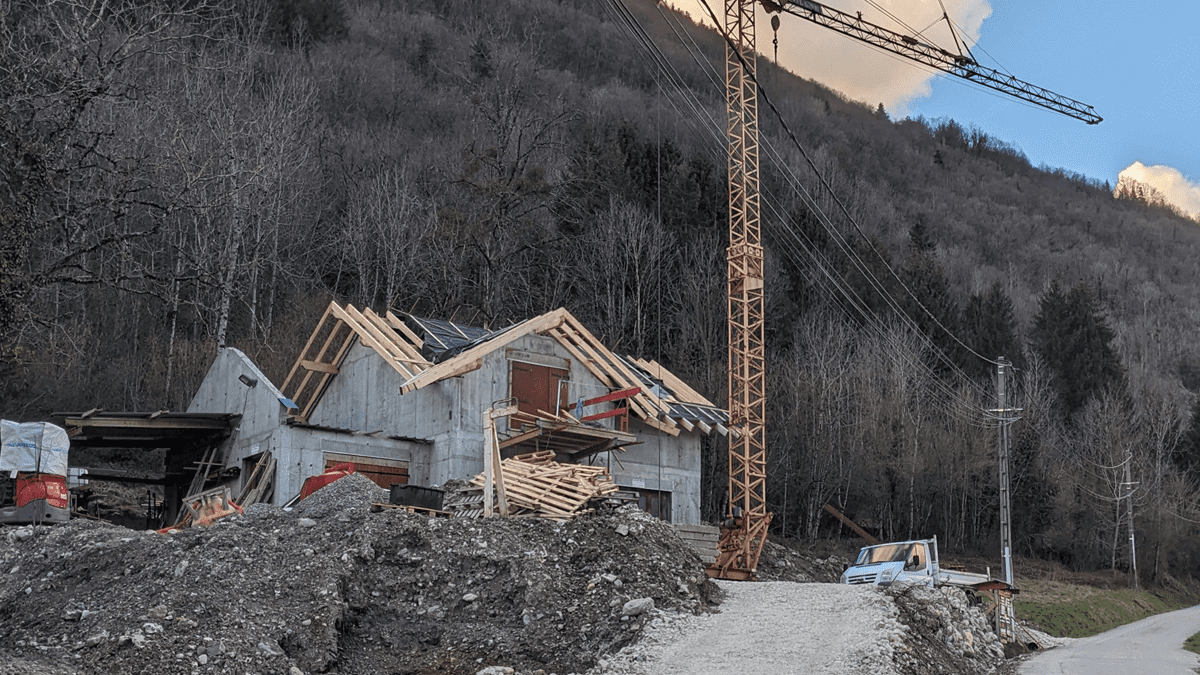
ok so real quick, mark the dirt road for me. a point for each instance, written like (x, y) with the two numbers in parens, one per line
(1152, 646)
(771, 628)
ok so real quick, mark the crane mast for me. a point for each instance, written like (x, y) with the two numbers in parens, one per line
(745, 528)
(747, 520)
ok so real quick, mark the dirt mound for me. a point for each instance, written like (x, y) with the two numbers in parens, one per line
(332, 587)
(781, 562)
(947, 633)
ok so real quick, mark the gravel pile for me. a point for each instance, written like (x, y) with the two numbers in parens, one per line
(782, 563)
(331, 587)
(946, 633)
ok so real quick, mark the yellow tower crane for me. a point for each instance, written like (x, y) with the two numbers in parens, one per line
(747, 520)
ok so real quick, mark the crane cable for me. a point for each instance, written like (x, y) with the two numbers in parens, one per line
(870, 319)
(841, 206)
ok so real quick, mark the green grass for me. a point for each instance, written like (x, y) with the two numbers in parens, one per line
(1192, 644)
(1101, 611)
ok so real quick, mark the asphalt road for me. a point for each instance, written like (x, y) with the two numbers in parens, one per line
(1152, 646)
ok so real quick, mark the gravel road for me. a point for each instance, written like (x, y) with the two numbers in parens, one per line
(1152, 646)
(770, 628)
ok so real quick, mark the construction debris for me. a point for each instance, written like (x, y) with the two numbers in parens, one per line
(536, 485)
(331, 587)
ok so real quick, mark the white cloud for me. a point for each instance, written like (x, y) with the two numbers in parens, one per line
(1170, 182)
(847, 65)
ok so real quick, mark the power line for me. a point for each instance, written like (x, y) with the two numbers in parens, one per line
(832, 286)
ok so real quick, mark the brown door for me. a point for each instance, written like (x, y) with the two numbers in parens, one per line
(655, 502)
(538, 388)
(383, 476)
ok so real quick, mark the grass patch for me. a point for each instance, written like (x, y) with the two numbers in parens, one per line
(1099, 611)
(1192, 644)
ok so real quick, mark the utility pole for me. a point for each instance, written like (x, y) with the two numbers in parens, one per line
(1005, 504)
(1128, 485)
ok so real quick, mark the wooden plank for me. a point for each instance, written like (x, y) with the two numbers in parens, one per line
(625, 374)
(442, 370)
(596, 364)
(686, 424)
(307, 346)
(683, 392)
(535, 492)
(489, 464)
(351, 336)
(463, 369)
(604, 377)
(520, 438)
(367, 332)
(412, 355)
(501, 497)
(536, 457)
(413, 339)
(305, 407)
(851, 524)
(319, 367)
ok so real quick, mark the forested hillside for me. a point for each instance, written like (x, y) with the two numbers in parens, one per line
(177, 176)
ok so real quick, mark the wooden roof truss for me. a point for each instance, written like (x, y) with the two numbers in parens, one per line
(336, 332)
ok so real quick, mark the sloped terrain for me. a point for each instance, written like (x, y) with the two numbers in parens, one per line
(332, 587)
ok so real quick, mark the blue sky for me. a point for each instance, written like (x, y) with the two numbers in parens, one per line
(1137, 64)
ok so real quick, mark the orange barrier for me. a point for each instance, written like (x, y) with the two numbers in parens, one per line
(314, 483)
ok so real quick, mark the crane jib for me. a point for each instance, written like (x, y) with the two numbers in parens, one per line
(933, 56)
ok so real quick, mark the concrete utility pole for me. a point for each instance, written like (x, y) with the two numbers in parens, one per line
(1005, 504)
(1128, 485)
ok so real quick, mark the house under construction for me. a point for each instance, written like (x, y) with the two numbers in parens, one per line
(404, 398)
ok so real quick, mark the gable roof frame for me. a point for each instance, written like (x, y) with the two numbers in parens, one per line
(401, 348)
(342, 328)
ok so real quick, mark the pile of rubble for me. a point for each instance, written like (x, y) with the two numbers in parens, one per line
(332, 587)
(946, 633)
(783, 563)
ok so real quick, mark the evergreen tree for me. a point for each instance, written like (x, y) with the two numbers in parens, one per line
(1072, 335)
(1033, 492)
(989, 327)
(919, 240)
(929, 302)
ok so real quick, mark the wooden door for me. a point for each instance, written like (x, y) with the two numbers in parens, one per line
(538, 388)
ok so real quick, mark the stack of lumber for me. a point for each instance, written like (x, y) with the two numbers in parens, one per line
(260, 486)
(536, 485)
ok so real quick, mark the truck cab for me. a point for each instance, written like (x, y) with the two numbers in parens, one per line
(913, 562)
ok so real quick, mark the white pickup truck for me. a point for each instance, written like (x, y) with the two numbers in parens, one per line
(913, 562)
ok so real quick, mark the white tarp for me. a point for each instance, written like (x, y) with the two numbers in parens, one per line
(33, 447)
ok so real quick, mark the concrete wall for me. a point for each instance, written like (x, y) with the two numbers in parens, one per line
(301, 453)
(365, 396)
(666, 463)
(261, 406)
